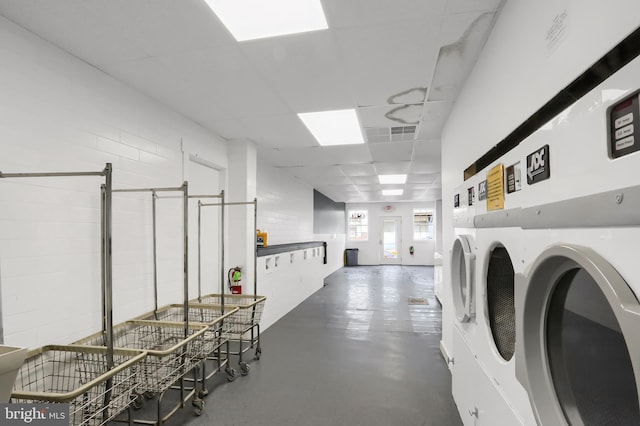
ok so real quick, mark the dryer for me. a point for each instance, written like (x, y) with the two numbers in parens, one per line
(483, 265)
(577, 310)
(557, 285)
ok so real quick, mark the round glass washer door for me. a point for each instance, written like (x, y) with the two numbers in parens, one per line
(500, 301)
(462, 277)
(581, 328)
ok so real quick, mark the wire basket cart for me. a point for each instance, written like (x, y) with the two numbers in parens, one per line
(81, 377)
(169, 354)
(245, 324)
(245, 330)
(98, 383)
(219, 328)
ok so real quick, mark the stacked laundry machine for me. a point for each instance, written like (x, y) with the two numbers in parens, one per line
(545, 270)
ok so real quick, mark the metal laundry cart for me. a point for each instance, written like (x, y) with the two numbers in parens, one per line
(98, 383)
(81, 377)
(245, 324)
(174, 348)
(219, 328)
(212, 316)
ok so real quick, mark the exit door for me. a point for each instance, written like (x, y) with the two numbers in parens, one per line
(391, 241)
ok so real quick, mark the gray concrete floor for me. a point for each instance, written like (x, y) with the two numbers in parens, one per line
(354, 353)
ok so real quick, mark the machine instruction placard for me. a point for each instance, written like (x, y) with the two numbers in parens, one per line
(495, 188)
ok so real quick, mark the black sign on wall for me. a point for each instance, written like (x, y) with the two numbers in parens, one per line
(538, 165)
(482, 190)
(470, 195)
(456, 201)
(513, 178)
(624, 126)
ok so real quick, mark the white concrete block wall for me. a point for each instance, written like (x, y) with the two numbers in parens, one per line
(369, 251)
(285, 206)
(60, 114)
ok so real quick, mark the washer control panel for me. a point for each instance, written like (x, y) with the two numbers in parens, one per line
(624, 126)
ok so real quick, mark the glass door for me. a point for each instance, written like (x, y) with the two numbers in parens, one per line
(391, 241)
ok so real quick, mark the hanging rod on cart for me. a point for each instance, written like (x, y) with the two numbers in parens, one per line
(238, 203)
(177, 188)
(206, 196)
(52, 174)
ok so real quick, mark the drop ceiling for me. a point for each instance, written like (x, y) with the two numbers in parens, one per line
(400, 64)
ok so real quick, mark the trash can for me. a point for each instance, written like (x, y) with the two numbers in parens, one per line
(351, 257)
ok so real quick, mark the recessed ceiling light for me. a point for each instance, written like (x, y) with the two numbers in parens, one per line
(392, 191)
(340, 127)
(254, 19)
(384, 179)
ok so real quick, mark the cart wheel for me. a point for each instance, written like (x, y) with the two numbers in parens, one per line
(258, 353)
(137, 401)
(148, 394)
(198, 405)
(244, 368)
(203, 392)
(231, 374)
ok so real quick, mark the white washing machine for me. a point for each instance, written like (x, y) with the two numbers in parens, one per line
(558, 320)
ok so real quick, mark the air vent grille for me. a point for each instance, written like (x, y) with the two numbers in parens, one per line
(390, 134)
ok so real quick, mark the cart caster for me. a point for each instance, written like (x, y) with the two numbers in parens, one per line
(148, 394)
(244, 368)
(258, 353)
(203, 392)
(198, 406)
(231, 374)
(137, 401)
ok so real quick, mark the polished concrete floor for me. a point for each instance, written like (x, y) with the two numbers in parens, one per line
(354, 353)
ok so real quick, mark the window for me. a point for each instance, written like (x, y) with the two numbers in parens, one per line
(358, 225)
(422, 224)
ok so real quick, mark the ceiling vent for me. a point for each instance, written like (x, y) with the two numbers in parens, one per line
(390, 134)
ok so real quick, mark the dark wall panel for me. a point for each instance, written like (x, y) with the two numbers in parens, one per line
(328, 216)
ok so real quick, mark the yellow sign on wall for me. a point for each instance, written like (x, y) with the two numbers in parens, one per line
(495, 188)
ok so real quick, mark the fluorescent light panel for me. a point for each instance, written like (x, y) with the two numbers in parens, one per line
(340, 127)
(385, 179)
(392, 191)
(255, 19)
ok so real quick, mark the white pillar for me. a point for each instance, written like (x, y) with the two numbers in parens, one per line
(241, 187)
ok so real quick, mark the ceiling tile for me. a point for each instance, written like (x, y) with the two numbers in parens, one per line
(305, 70)
(426, 165)
(388, 116)
(463, 37)
(434, 115)
(314, 171)
(427, 148)
(393, 151)
(318, 156)
(419, 178)
(365, 180)
(376, 59)
(462, 6)
(354, 13)
(387, 168)
(365, 169)
(273, 131)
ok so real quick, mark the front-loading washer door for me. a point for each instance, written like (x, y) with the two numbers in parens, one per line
(580, 325)
(462, 277)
